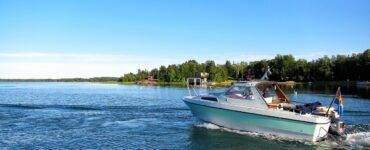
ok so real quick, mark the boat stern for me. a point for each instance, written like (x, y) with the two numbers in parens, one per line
(321, 132)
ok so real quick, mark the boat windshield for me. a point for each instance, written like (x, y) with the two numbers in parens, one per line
(239, 92)
(272, 93)
(267, 90)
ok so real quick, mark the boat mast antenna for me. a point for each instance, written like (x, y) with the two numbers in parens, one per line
(265, 76)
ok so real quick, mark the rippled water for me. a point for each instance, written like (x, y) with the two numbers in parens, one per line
(111, 116)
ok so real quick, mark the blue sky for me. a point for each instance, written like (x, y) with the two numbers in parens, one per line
(85, 38)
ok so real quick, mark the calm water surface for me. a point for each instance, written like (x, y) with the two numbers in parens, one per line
(111, 116)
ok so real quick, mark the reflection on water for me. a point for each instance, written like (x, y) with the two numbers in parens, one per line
(110, 116)
(348, 89)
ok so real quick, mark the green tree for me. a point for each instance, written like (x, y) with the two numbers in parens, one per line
(258, 68)
(218, 74)
(283, 67)
(173, 74)
(301, 70)
(129, 77)
(230, 69)
(154, 72)
(189, 69)
(322, 69)
(162, 74)
(364, 68)
(142, 74)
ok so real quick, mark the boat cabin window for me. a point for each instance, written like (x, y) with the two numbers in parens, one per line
(240, 92)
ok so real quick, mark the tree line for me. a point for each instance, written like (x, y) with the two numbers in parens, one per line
(94, 79)
(283, 68)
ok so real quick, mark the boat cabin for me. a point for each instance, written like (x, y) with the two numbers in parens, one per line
(263, 94)
(267, 95)
(256, 94)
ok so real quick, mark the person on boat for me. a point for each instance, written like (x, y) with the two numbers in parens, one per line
(265, 92)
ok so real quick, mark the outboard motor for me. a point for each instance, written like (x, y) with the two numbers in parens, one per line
(337, 126)
(340, 127)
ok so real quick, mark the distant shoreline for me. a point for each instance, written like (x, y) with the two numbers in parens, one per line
(180, 84)
(94, 79)
(115, 80)
(228, 83)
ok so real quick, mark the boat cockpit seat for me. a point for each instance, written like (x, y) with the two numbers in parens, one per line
(275, 102)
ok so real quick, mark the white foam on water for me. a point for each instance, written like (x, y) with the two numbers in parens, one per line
(255, 134)
(93, 118)
(247, 133)
(358, 140)
(216, 127)
(208, 125)
(133, 123)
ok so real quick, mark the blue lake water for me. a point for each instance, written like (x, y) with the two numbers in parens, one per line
(111, 116)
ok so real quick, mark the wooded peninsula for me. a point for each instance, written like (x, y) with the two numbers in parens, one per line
(353, 67)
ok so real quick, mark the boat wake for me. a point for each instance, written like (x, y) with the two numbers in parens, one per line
(207, 125)
(248, 133)
(358, 136)
(358, 139)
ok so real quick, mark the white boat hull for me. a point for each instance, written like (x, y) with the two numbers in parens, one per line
(246, 121)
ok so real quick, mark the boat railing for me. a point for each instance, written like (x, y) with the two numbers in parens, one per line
(193, 83)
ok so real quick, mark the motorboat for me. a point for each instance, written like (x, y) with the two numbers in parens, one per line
(261, 106)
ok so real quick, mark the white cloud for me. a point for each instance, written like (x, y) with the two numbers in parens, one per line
(68, 65)
(74, 57)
